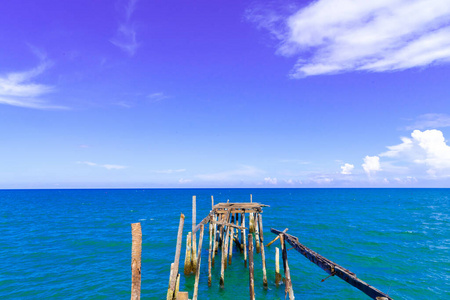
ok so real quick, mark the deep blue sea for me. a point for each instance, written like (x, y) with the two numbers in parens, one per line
(76, 244)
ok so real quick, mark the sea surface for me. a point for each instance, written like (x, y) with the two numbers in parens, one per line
(76, 244)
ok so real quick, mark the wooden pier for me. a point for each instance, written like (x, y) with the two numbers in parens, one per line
(228, 231)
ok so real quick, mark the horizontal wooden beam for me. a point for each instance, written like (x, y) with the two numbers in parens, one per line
(333, 268)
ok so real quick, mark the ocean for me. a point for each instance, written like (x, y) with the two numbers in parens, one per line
(76, 244)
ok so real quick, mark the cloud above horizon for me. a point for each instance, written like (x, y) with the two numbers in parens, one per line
(335, 36)
(106, 166)
(125, 37)
(19, 88)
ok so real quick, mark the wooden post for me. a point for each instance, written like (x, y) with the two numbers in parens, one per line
(177, 287)
(227, 239)
(183, 296)
(215, 242)
(174, 274)
(230, 251)
(223, 262)
(245, 242)
(242, 232)
(277, 266)
(251, 198)
(255, 222)
(276, 239)
(199, 260)
(287, 273)
(263, 255)
(210, 250)
(136, 250)
(194, 234)
(212, 202)
(251, 267)
(251, 223)
(187, 259)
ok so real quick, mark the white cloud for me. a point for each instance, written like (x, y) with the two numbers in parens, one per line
(347, 169)
(331, 36)
(106, 166)
(156, 97)
(18, 89)
(371, 164)
(270, 180)
(425, 148)
(170, 171)
(182, 181)
(125, 37)
(237, 174)
(430, 121)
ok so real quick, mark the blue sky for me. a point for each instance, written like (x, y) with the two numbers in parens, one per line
(134, 93)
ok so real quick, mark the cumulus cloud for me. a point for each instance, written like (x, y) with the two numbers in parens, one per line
(106, 166)
(371, 164)
(20, 88)
(125, 37)
(347, 169)
(332, 36)
(425, 148)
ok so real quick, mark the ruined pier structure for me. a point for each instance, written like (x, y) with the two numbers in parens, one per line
(227, 227)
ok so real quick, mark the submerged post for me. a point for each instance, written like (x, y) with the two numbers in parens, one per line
(287, 273)
(197, 274)
(263, 255)
(187, 259)
(136, 250)
(251, 267)
(277, 266)
(194, 234)
(176, 263)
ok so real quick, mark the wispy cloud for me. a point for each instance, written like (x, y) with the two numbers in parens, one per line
(333, 36)
(170, 171)
(19, 89)
(240, 173)
(106, 166)
(347, 169)
(156, 97)
(125, 37)
(430, 121)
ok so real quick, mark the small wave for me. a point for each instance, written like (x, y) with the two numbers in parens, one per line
(142, 219)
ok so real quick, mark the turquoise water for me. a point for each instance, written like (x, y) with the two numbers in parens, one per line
(76, 244)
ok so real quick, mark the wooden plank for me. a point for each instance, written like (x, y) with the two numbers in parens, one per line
(333, 268)
(203, 222)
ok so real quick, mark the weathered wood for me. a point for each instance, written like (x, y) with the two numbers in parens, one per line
(333, 268)
(210, 251)
(263, 255)
(194, 233)
(177, 287)
(136, 250)
(229, 224)
(212, 201)
(176, 263)
(188, 259)
(258, 243)
(215, 241)
(230, 251)
(251, 198)
(287, 273)
(277, 266)
(245, 241)
(199, 260)
(251, 223)
(277, 238)
(183, 296)
(203, 222)
(251, 267)
(224, 250)
(227, 241)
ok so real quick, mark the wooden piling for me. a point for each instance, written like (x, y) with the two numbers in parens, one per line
(224, 256)
(263, 255)
(277, 266)
(251, 267)
(194, 234)
(199, 260)
(187, 259)
(177, 287)
(215, 242)
(245, 242)
(176, 263)
(210, 251)
(227, 240)
(136, 250)
(251, 223)
(287, 273)
(230, 251)
(258, 244)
